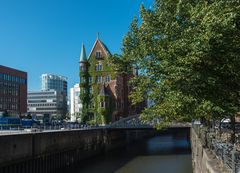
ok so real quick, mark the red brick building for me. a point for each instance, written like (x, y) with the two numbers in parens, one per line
(13, 90)
(104, 93)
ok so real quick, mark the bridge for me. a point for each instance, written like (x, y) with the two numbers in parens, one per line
(134, 122)
(130, 122)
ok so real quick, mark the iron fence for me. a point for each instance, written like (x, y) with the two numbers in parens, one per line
(226, 152)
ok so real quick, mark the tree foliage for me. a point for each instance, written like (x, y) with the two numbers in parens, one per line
(188, 53)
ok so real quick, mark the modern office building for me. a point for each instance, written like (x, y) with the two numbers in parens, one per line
(56, 82)
(50, 102)
(75, 103)
(13, 91)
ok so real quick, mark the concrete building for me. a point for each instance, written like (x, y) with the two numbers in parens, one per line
(56, 82)
(52, 99)
(13, 90)
(50, 102)
(75, 103)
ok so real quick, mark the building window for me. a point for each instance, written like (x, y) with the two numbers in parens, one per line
(91, 90)
(99, 79)
(98, 54)
(82, 80)
(102, 104)
(83, 68)
(107, 78)
(99, 67)
(77, 94)
(90, 79)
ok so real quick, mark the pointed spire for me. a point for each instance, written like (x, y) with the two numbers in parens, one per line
(83, 57)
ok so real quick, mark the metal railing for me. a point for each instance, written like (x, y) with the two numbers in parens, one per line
(226, 152)
(45, 128)
(130, 122)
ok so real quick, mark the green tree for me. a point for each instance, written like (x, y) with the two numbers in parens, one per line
(188, 54)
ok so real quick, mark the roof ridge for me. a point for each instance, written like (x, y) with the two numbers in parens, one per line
(102, 45)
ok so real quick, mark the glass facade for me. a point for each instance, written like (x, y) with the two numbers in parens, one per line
(55, 82)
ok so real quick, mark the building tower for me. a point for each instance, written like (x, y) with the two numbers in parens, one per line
(84, 91)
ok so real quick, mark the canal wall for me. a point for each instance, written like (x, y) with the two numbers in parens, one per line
(203, 160)
(49, 151)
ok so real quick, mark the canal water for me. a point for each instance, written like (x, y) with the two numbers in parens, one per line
(160, 154)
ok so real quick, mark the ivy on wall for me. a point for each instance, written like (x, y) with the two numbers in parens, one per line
(92, 111)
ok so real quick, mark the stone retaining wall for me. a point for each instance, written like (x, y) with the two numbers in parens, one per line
(204, 161)
(50, 151)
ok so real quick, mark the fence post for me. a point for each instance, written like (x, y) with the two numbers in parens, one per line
(233, 159)
(224, 155)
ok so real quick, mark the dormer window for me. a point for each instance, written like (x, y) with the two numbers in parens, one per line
(98, 54)
(102, 104)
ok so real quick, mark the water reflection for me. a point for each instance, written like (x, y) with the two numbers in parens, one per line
(159, 154)
(158, 164)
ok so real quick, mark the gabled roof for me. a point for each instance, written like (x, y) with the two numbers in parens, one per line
(83, 56)
(103, 91)
(105, 49)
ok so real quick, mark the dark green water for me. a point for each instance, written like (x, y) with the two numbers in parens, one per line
(160, 154)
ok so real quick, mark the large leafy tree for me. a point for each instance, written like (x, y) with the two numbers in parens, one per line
(188, 54)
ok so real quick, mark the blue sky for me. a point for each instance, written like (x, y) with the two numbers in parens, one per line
(45, 36)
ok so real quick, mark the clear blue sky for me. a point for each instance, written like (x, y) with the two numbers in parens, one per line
(45, 36)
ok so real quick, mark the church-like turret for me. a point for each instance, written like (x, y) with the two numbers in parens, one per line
(84, 85)
(83, 59)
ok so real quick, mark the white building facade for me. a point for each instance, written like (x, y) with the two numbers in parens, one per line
(49, 102)
(75, 103)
